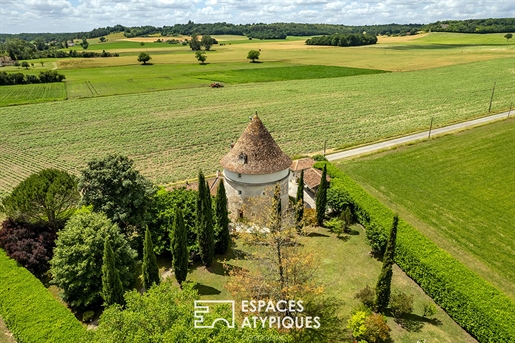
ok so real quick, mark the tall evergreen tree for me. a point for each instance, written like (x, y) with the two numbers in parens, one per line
(299, 201)
(204, 222)
(149, 268)
(112, 288)
(222, 221)
(321, 198)
(383, 287)
(179, 241)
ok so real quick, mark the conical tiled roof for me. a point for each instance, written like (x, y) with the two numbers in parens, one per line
(256, 152)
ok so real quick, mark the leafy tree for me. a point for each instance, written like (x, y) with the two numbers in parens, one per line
(194, 42)
(200, 56)
(338, 199)
(253, 55)
(321, 197)
(204, 223)
(206, 42)
(166, 204)
(401, 304)
(299, 201)
(112, 186)
(149, 268)
(376, 329)
(78, 254)
(508, 36)
(47, 196)
(29, 244)
(366, 296)
(144, 57)
(222, 238)
(383, 287)
(25, 65)
(112, 288)
(166, 314)
(180, 257)
(102, 39)
(84, 44)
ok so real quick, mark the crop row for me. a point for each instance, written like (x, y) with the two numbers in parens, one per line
(172, 134)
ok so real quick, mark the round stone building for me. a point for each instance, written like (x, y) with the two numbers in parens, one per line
(255, 163)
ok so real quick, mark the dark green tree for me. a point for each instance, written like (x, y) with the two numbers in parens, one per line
(194, 42)
(206, 42)
(179, 245)
(114, 187)
(25, 65)
(347, 219)
(222, 238)
(48, 196)
(112, 288)
(383, 287)
(144, 57)
(321, 197)
(508, 36)
(84, 44)
(204, 223)
(299, 201)
(149, 268)
(253, 55)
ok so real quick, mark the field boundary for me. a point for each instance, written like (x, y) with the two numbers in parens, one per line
(392, 143)
(30, 311)
(475, 304)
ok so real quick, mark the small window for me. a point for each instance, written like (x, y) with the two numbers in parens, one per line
(239, 176)
(239, 192)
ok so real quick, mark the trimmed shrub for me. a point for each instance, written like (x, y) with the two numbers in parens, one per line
(367, 296)
(476, 305)
(29, 310)
(401, 304)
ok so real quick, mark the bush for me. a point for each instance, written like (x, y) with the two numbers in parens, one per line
(310, 217)
(401, 304)
(29, 244)
(367, 296)
(30, 311)
(376, 329)
(429, 309)
(472, 302)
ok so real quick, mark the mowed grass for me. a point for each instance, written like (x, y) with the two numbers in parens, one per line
(172, 134)
(31, 93)
(458, 190)
(345, 267)
(284, 73)
(465, 39)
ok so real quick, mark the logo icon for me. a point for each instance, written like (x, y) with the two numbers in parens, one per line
(204, 307)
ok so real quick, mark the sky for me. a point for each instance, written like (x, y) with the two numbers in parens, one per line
(18, 16)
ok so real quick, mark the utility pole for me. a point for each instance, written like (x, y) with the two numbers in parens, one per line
(430, 128)
(325, 145)
(492, 98)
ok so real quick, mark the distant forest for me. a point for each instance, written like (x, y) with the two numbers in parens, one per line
(276, 30)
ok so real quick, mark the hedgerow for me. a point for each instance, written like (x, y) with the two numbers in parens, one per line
(476, 305)
(29, 310)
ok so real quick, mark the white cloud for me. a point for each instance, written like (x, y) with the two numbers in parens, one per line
(83, 15)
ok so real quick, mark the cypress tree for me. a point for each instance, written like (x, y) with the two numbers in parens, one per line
(383, 287)
(299, 201)
(204, 222)
(179, 241)
(222, 221)
(112, 288)
(149, 268)
(321, 199)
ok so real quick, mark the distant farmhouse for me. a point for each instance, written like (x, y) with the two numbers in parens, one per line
(6, 61)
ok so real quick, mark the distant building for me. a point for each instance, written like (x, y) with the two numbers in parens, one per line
(6, 61)
(253, 164)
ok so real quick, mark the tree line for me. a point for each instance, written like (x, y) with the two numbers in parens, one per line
(20, 78)
(339, 39)
(491, 25)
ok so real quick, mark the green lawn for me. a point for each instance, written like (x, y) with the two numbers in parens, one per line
(31, 93)
(345, 267)
(458, 190)
(465, 39)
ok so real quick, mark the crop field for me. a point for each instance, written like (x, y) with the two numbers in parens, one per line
(284, 73)
(458, 190)
(465, 39)
(171, 134)
(19, 94)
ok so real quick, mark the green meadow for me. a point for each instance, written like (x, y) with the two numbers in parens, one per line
(458, 190)
(21, 94)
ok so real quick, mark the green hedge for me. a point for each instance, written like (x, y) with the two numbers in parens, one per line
(476, 305)
(29, 310)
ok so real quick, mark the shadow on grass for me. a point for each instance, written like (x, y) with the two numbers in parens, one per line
(206, 290)
(316, 234)
(413, 322)
(344, 238)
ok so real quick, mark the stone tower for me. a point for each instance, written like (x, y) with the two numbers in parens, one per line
(254, 164)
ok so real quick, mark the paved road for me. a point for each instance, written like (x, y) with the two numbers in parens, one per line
(367, 149)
